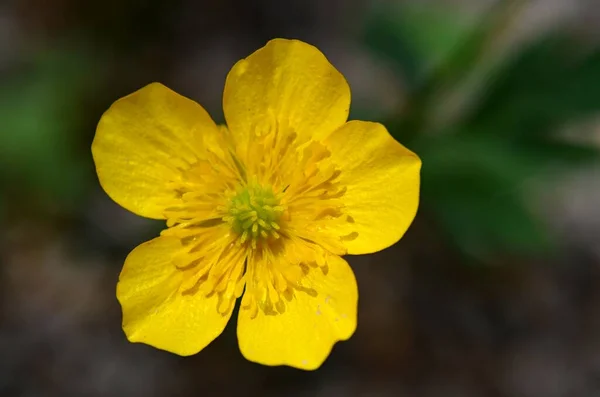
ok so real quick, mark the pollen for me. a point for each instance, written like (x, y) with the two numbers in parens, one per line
(254, 213)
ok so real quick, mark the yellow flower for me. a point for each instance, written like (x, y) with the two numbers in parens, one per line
(263, 208)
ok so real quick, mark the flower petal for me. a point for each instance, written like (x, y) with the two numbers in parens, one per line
(304, 334)
(382, 180)
(285, 84)
(155, 311)
(143, 142)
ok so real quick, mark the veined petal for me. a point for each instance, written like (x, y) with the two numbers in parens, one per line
(313, 321)
(382, 179)
(155, 311)
(143, 142)
(287, 85)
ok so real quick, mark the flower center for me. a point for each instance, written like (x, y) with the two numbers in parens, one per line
(254, 213)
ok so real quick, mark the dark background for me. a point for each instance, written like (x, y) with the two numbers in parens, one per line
(492, 292)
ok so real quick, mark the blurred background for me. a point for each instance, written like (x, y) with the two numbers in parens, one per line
(494, 291)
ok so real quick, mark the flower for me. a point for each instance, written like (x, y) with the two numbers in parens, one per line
(262, 209)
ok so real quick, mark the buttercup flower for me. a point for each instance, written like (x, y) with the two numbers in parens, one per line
(262, 209)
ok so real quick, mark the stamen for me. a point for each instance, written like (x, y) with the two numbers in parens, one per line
(259, 219)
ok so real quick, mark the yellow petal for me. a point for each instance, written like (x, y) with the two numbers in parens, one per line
(155, 311)
(143, 142)
(287, 84)
(382, 180)
(304, 334)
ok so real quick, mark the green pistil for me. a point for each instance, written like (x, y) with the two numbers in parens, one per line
(254, 213)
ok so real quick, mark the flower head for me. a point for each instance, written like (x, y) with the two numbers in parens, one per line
(262, 209)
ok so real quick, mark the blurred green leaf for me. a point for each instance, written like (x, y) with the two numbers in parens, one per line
(478, 172)
(542, 88)
(474, 186)
(414, 37)
(482, 224)
(40, 113)
(512, 139)
(477, 184)
(433, 48)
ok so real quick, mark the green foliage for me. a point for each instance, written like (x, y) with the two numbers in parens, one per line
(546, 85)
(40, 118)
(414, 38)
(473, 186)
(478, 171)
